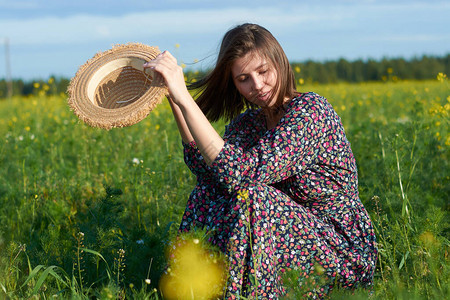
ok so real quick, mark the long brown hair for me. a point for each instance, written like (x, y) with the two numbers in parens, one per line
(217, 95)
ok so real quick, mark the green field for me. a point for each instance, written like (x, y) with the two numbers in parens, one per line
(89, 213)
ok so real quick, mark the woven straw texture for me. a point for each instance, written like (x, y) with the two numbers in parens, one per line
(112, 90)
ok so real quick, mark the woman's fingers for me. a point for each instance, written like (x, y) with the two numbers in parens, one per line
(164, 58)
(168, 55)
(166, 65)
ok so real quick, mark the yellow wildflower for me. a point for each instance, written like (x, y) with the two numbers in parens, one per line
(193, 275)
(441, 77)
(243, 194)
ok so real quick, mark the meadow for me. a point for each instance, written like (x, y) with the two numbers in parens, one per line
(87, 213)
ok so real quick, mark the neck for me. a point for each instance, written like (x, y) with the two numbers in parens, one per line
(274, 114)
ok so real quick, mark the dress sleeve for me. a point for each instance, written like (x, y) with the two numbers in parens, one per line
(281, 152)
(233, 134)
(194, 160)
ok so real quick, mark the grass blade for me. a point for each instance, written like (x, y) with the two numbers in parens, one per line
(33, 273)
(101, 256)
(42, 279)
(3, 288)
(402, 262)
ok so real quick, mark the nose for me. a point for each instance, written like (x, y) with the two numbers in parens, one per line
(258, 83)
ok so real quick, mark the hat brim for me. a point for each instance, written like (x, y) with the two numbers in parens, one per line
(113, 90)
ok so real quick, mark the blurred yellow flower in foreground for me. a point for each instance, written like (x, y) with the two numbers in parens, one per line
(441, 77)
(194, 273)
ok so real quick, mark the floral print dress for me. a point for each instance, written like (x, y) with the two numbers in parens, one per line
(284, 198)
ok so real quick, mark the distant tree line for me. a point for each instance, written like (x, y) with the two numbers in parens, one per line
(51, 86)
(342, 70)
(426, 67)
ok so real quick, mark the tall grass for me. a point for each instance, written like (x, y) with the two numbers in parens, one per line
(89, 213)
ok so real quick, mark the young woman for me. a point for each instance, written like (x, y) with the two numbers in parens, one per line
(279, 190)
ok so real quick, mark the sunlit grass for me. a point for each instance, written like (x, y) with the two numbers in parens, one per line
(126, 189)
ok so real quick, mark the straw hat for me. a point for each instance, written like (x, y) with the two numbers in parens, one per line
(112, 89)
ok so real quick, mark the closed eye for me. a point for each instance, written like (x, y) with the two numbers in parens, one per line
(242, 78)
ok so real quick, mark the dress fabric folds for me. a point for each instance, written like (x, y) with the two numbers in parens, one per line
(281, 199)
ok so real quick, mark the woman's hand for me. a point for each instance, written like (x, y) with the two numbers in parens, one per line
(192, 123)
(166, 65)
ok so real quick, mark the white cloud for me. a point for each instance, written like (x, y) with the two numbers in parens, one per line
(329, 29)
(85, 28)
(78, 29)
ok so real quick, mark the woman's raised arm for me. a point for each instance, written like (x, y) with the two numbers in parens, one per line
(191, 121)
(186, 135)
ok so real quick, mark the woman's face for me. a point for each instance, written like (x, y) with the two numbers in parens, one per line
(255, 79)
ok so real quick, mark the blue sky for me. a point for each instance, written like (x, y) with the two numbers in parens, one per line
(55, 37)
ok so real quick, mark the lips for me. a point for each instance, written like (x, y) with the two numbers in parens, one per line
(263, 96)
